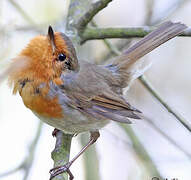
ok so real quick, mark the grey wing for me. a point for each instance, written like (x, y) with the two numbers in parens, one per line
(91, 92)
(104, 107)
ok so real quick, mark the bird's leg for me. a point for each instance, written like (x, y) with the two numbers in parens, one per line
(94, 135)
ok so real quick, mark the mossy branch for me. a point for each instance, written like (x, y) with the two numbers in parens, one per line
(105, 33)
(122, 33)
(61, 153)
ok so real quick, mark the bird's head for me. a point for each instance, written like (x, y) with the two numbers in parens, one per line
(45, 58)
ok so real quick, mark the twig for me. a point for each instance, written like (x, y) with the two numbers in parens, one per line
(22, 12)
(90, 13)
(141, 151)
(123, 33)
(112, 48)
(167, 137)
(33, 26)
(28, 161)
(154, 92)
(149, 4)
(9, 172)
(175, 6)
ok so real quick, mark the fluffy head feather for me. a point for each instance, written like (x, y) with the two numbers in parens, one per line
(41, 63)
(36, 66)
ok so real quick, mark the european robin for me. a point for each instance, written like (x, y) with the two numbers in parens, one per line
(76, 96)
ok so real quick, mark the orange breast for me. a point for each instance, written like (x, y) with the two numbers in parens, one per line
(40, 103)
(46, 107)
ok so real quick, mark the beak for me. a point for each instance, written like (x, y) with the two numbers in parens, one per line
(51, 38)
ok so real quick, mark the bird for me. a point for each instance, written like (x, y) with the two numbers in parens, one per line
(74, 95)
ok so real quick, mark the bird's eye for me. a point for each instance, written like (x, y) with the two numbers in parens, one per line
(61, 57)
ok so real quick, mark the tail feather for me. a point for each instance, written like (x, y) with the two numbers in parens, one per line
(165, 32)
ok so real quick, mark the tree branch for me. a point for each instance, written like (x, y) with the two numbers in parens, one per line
(131, 32)
(103, 33)
(61, 153)
(90, 13)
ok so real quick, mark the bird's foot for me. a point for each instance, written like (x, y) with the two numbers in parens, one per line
(61, 169)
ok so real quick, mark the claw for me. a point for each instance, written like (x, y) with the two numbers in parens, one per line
(61, 169)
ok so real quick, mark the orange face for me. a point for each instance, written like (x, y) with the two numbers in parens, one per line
(43, 60)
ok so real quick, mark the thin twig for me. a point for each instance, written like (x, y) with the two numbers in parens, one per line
(167, 137)
(109, 45)
(22, 12)
(28, 161)
(33, 26)
(91, 12)
(123, 33)
(154, 92)
(141, 151)
(175, 6)
(9, 172)
(149, 4)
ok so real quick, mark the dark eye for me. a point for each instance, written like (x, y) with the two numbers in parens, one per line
(61, 57)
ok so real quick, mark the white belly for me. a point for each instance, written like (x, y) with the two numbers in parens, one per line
(74, 122)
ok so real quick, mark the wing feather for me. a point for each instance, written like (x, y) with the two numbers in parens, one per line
(103, 107)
